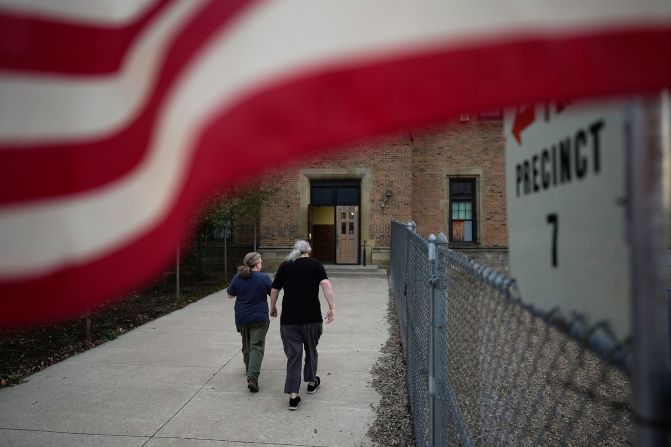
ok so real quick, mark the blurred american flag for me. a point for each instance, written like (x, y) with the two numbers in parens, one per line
(118, 117)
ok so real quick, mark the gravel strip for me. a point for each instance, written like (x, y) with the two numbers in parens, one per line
(393, 424)
(540, 386)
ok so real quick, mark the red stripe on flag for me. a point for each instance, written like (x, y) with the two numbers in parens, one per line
(443, 83)
(33, 172)
(335, 107)
(47, 45)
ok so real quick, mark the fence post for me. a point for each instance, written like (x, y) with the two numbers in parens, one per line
(364, 252)
(433, 277)
(411, 229)
(649, 197)
(412, 226)
(437, 370)
(439, 327)
(226, 253)
(177, 274)
(87, 317)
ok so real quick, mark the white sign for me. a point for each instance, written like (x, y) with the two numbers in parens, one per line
(566, 200)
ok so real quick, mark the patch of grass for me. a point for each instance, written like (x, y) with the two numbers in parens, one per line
(26, 351)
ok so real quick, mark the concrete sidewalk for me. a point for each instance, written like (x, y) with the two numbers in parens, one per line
(180, 381)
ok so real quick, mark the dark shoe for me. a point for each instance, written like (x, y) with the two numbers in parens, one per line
(293, 403)
(253, 385)
(313, 388)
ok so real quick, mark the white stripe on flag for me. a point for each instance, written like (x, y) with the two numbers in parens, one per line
(97, 12)
(271, 41)
(81, 108)
(287, 35)
(39, 237)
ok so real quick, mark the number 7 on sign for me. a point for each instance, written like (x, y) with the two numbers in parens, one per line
(553, 220)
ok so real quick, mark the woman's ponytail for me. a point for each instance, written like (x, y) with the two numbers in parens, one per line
(248, 263)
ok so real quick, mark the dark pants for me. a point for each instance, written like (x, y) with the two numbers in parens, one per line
(253, 345)
(295, 337)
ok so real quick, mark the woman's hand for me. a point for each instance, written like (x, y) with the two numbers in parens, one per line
(330, 315)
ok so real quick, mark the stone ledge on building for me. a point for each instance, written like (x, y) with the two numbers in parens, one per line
(377, 258)
(380, 256)
(273, 257)
(496, 258)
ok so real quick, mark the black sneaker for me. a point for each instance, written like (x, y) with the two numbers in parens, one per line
(313, 388)
(293, 403)
(253, 385)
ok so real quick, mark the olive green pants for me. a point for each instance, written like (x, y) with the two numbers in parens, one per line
(253, 345)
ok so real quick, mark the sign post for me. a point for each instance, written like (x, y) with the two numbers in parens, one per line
(650, 133)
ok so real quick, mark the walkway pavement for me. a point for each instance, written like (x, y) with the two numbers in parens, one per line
(180, 381)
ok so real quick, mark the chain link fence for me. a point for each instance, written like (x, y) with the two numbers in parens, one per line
(219, 252)
(494, 371)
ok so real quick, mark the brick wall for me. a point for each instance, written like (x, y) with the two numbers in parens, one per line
(413, 166)
(391, 171)
(389, 162)
(278, 225)
(460, 148)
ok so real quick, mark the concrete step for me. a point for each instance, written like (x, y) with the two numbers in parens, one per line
(351, 271)
(354, 271)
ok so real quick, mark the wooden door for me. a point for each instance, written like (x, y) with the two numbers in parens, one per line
(321, 233)
(347, 234)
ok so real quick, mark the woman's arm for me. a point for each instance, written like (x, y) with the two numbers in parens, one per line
(274, 294)
(328, 293)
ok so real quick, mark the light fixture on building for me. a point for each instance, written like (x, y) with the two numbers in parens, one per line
(387, 195)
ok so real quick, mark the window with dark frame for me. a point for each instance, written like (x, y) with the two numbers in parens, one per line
(335, 192)
(463, 226)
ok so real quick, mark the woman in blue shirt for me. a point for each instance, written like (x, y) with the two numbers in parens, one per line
(251, 288)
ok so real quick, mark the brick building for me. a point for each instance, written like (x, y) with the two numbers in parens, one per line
(446, 178)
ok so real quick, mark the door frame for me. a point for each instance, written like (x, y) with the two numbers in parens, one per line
(335, 184)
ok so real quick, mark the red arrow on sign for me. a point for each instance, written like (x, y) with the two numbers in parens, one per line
(524, 117)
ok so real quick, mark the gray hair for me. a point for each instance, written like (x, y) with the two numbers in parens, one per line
(300, 247)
